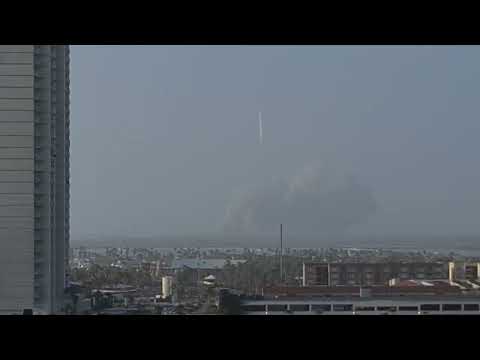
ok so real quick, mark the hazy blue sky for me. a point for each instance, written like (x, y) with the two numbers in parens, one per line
(164, 139)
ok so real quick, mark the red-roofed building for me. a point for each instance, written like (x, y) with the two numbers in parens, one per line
(407, 288)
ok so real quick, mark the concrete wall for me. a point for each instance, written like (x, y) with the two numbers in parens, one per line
(16, 178)
(16, 93)
(15, 116)
(16, 199)
(16, 259)
(16, 141)
(15, 153)
(15, 58)
(16, 81)
(16, 70)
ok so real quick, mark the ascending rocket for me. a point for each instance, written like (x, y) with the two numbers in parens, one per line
(260, 127)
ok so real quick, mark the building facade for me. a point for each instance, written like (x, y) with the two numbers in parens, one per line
(368, 274)
(34, 177)
(463, 271)
(452, 305)
(420, 288)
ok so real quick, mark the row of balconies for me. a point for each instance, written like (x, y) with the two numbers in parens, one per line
(41, 60)
(386, 272)
(358, 277)
(41, 216)
(43, 135)
(41, 168)
(44, 108)
(42, 50)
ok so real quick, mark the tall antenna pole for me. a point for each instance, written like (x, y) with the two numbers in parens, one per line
(281, 253)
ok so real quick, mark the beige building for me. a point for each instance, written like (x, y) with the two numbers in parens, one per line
(367, 274)
(34, 177)
(463, 271)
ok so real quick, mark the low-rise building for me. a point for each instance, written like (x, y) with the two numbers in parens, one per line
(433, 305)
(204, 264)
(369, 274)
(194, 270)
(410, 297)
(463, 271)
(406, 288)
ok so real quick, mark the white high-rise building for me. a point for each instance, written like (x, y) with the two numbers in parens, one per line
(34, 177)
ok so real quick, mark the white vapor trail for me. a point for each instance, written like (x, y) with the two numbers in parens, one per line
(260, 127)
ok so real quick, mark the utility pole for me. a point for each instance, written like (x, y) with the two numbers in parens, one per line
(281, 253)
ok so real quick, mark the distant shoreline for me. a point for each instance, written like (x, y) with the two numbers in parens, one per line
(466, 243)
